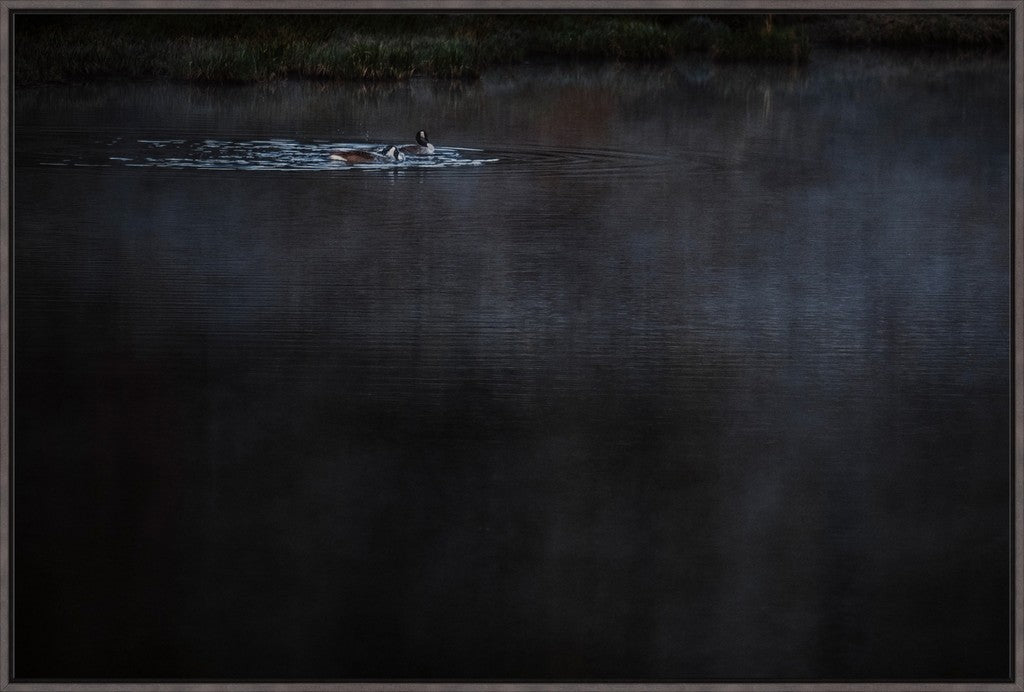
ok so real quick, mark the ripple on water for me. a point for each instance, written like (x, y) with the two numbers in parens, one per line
(279, 155)
(537, 160)
(292, 155)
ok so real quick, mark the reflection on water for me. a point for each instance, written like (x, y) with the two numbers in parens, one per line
(689, 372)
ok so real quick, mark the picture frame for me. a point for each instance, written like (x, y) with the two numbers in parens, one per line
(8, 452)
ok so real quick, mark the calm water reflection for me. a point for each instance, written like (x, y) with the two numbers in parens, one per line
(697, 372)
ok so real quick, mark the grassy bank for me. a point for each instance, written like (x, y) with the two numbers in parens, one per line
(914, 31)
(247, 48)
(374, 47)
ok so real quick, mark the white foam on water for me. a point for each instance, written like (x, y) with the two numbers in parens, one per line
(283, 155)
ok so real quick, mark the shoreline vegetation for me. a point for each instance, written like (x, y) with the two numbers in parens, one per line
(52, 48)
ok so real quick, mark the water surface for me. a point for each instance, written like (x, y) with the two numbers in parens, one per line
(697, 372)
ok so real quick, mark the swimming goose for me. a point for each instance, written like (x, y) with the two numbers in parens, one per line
(389, 154)
(421, 148)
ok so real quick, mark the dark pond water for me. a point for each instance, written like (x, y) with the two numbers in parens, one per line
(695, 372)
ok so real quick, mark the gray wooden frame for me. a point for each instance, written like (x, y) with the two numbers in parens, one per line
(1015, 8)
